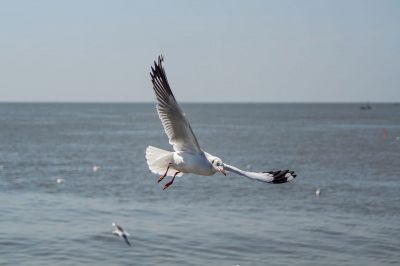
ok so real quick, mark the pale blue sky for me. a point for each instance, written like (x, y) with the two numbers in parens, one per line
(215, 51)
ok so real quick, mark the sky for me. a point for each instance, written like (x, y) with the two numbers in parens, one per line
(214, 51)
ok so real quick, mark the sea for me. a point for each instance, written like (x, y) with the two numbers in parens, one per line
(69, 170)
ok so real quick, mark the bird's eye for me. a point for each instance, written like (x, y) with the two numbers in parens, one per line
(218, 164)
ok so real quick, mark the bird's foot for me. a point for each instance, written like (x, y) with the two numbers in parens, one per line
(164, 175)
(161, 178)
(170, 182)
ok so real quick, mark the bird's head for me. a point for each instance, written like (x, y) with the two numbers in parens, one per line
(218, 165)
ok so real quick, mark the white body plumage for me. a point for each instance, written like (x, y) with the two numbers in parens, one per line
(187, 156)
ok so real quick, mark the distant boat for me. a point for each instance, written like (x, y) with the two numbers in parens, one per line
(366, 107)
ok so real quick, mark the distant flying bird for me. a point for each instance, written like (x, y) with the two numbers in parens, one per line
(60, 180)
(317, 192)
(119, 231)
(187, 156)
(96, 168)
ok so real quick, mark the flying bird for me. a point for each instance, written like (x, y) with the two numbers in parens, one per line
(119, 231)
(188, 157)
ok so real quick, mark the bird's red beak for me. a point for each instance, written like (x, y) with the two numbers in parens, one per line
(222, 171)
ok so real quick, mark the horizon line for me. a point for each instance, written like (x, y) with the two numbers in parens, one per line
(200, 102)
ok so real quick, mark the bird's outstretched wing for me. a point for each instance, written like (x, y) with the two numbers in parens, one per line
(126, 240)
(275, 177)
(176, 126)
(119, 227)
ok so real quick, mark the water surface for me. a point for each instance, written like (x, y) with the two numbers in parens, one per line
(200, 220)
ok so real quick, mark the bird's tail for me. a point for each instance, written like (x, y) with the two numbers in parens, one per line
(158, 160)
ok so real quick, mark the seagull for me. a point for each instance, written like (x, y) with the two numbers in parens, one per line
(119, 231)
(317, 192)
(60, 180)
(188, 157)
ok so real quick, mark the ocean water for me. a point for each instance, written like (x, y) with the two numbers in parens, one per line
(200, 220)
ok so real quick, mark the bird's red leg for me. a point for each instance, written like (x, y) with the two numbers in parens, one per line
(170, 182)
(164, 175)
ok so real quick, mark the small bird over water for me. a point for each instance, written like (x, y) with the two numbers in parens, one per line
(188, 157)
(96, 168)
(119, 231)
(317, 192)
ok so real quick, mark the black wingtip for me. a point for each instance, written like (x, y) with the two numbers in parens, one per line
(159, 78)
(127, 241)
(159, 62)
(282, 176)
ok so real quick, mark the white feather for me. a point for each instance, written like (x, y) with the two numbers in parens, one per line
(264, 177)
(176, 126)
(158, 160)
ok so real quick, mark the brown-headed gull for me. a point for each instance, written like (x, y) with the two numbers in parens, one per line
(187, 156)
(119, 231)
